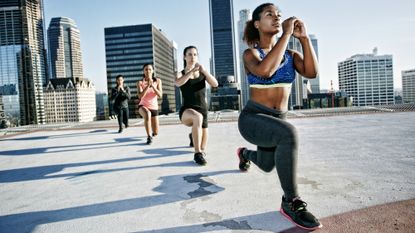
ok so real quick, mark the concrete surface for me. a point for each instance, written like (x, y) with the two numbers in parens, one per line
(356, 172)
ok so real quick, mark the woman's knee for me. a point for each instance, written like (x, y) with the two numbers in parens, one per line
(197, 120)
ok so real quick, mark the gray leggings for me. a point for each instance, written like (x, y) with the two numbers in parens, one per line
(276, 142)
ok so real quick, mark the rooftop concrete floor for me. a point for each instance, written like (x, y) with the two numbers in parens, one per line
(357, 173)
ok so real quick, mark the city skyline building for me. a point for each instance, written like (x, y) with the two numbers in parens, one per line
(244, 16)
(69, 100)
(128, 48)
(368, 79)
(408, 86)
(222, 38)
(101, 99)
(224, 56)
(23, 67)
(65, 56)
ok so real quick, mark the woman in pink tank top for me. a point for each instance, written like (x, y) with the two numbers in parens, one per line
(149, 89)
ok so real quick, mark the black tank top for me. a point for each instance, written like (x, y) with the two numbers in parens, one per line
(194, 92)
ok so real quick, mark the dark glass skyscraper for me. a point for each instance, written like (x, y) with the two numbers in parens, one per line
(222, 38)
(22, 60)
(128, 48)
(227, 95)
(64, 48)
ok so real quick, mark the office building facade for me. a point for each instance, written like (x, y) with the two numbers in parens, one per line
(65, 56)
(223, 52)
(368, 79)
(128, 48)
(222, 37)
(23, 69)
(408, 86)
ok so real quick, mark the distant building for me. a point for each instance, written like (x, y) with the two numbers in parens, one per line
(2, 116)
(244, 16)
(408, 86)
(226, 95)
(222, 38)
(327, 100)
(367, 78)
(69, 100)
(101, 100)
(65, 54)
(128, 48)
(23, 69)
(223, 54)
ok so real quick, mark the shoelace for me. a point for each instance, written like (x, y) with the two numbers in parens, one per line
(298, 206)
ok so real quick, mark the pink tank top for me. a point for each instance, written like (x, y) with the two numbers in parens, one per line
(149, 100)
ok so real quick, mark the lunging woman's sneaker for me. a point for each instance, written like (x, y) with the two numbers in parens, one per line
(244, 164)
(297, 213)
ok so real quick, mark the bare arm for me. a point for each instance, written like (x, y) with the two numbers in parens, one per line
(182, 79)
(307, 66)
(266, 68)
(209, 78)
(142, 92)
(158, 90)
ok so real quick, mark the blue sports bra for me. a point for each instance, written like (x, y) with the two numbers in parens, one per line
(283, 77)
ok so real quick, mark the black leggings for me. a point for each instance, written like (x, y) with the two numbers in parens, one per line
(122, 115)
(276, 142)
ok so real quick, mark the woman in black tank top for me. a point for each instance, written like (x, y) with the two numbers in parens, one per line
(193, 113)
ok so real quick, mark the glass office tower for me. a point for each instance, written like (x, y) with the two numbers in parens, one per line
(128, 48)
(22, 60)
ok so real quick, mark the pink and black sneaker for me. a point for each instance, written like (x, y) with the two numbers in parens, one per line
(244, 163)
(296, 212)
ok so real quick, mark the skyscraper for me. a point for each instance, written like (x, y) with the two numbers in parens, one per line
(128, 48)
(227, 94)
(222, 38)
(65, 55)
(368, 78)
(408, 86)
(22, 60)
(244, 16)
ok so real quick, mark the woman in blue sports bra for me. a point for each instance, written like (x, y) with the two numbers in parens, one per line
(270, 69)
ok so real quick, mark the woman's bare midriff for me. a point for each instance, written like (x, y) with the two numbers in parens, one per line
(273, 97)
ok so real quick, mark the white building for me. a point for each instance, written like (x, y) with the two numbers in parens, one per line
(368, 78)
(408, 86)
(69, 100)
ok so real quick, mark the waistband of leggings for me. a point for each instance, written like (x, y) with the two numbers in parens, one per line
(253, 107)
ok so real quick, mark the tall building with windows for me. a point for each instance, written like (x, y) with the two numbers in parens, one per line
(302, 86)
(223, 53)
(368, 78)
(222, 37)
(70, 100)
(408, 86)
(244, 16)
(23, 69)
(2, 117)
(65, 55)
(128, 48)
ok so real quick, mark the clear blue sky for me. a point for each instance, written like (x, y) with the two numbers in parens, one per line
(343, 28)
